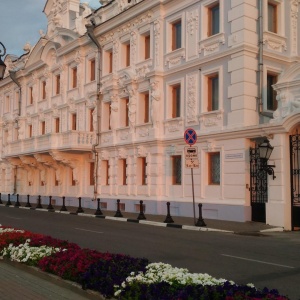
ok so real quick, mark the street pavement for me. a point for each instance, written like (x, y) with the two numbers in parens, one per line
(22, 282)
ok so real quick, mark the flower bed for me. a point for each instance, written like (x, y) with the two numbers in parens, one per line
(120, 276)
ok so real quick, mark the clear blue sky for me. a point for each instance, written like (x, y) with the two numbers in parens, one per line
(21, 20)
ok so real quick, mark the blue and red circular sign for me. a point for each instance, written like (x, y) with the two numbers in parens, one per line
(190, 136)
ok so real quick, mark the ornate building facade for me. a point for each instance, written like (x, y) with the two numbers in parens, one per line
(99, 106)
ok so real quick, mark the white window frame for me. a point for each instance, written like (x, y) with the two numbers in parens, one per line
(205, 74)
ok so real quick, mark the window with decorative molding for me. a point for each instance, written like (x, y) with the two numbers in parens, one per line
(7, 104)
(73, 182)
(124, 109)
(92, 69)
(105, 172)
(43, 89)
(214, 168)
(57, 84)
(213, 18)
(213, 92)
(74, 121)
(56, 125)
(144, 108)
(176, 169)
(175, 101)
(271, 93)
(17, 98)
(126, 54)
(91, 119)
(273, 16)
(142, 170)
(106, 115)
(147, 46)
(30, 95)
(30, 131)
(74, 77)
(176, 35)
(92, 177)
(108, 61)
(122, 172)
(43, 127)
(56, 182)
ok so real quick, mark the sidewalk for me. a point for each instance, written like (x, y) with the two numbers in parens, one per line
(186, 223)
(19, 281)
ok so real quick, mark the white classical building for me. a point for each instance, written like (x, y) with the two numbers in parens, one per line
(99, 106)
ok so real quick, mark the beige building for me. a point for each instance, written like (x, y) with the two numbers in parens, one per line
(99, 106)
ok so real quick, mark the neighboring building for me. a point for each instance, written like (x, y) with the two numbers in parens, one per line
(228, 69)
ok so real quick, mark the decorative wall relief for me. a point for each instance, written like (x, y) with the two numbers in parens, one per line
(191, 100)
(157, 27)
(212, 44)
(155, 99)
(294, 27)
(192, 22)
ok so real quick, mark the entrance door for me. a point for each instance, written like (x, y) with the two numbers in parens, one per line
(258, 187)
(295, 179)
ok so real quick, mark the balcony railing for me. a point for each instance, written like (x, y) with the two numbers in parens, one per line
(80, 141)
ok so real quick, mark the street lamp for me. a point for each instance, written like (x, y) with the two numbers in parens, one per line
(2, 64)
(265, 151)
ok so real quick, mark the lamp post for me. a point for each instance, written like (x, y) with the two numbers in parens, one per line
(265, 151)
(2, 64)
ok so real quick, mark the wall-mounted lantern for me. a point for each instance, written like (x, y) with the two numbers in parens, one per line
(265, 151)
(2, 64)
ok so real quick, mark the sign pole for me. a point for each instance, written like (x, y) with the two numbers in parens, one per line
(192, 173)
(190, 137)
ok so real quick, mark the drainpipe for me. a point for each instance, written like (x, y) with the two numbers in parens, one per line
(13, 76)
(261, 62)
(90, 32)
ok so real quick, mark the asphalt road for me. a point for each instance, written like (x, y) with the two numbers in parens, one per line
(270, 260)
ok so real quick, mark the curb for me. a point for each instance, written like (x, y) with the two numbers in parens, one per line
(145, 222)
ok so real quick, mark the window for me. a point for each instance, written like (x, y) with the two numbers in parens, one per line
(145, 108)
(92, 178)
(29, 131)
(7, 104)
(30, 92)
(57, 84)
(176, 35)
(43, 90)
(147, 46)
(214, 168)
(142, 165)
(56, 183)
(175, 89)
(73, 121)
(105, 172)
(272, 17)
(73, 182)
(74, 77)
(56, 124)
(127, 55)
(16, 104)
(176, 169)
(110, 62)
(271, 94)
(92, 70)
(91, 117)
(213, 92)
(124, 110)
(213, 19)
(122, 172)
(106, 115)
(43, 127)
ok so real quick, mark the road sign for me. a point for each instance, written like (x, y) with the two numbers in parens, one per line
(192, 163)
(191, 152)
(190, 136)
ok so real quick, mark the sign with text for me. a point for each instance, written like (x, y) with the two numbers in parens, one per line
(192, 163)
